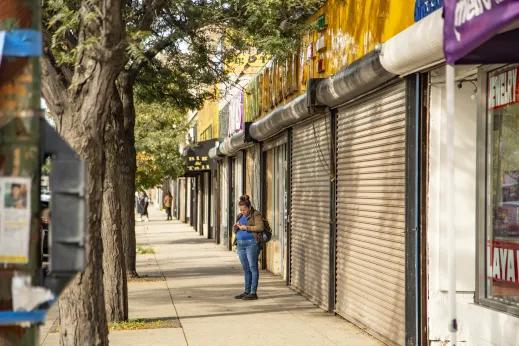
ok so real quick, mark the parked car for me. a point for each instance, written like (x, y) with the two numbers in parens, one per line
(45, 196)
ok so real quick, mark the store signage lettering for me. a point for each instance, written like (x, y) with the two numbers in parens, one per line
(466, 10)
(197, 163)
(502, 262)
(503, 89)
(271, 88)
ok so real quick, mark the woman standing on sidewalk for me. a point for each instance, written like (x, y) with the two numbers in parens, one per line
(249, 223)
(167, 205)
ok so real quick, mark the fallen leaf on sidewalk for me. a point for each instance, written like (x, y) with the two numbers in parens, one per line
(147, 279)
(148, 323)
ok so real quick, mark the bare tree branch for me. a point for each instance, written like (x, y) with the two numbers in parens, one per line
(158, 47)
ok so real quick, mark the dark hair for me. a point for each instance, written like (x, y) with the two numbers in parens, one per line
(16, 185)
(245, 201)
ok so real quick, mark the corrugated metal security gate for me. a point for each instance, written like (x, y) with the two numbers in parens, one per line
(310, 212)
(238, 180)
(207, 204)
(253, 175)
(224, 203)
(237, 189)
(370, 213)
(182, 199)
(274, 206)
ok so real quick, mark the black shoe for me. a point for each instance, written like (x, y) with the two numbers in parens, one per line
(244, 294)
(250, 296)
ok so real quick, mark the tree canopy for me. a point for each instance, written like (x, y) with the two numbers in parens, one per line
(186, 34)
(159, 131)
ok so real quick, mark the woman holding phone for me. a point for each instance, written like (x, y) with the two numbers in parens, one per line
(249, 223)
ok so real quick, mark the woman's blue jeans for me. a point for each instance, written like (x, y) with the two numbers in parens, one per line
(248, 251)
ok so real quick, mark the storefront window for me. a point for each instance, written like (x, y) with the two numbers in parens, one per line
(502, 233)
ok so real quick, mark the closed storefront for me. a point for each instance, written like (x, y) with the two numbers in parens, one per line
(200, 204)
(371, 213)
(182, 199)
(189, 200)
(238, 179)
(253, 175)
(224, 202)
(310, 210)
(275, 212)
(194, 203)
(206, 178)
(237, 186)
(214, 205)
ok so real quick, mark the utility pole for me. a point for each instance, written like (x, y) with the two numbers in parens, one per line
(20, 114)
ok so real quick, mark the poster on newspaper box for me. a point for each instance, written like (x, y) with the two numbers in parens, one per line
(15, 219)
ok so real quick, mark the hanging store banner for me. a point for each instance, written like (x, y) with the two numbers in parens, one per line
(197, 157)
(470, 23)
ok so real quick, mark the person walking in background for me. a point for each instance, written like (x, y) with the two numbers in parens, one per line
(249, 223)
(143, 206)
(167, 205)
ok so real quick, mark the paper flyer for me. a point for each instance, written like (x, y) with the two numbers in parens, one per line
(15, 219)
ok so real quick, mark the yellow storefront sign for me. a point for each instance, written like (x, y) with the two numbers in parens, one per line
(343, 32)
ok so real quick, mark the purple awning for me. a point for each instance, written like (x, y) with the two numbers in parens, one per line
(472, 31)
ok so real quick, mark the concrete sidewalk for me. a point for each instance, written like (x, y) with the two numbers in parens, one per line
(198, 283)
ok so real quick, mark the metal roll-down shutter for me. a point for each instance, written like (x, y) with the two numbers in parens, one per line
(370, 213)
(253, 175)
(310, 212)
(224, 203)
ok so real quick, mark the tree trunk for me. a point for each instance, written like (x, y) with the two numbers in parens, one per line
(114, 263)
(80, 102)
(81, 306)
(128, 166)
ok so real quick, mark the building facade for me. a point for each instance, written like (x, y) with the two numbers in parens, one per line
(342, 148)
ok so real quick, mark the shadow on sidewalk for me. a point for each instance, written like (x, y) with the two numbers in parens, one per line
(190, 241)
(265, 309)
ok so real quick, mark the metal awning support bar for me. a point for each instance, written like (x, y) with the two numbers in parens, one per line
(448, 127)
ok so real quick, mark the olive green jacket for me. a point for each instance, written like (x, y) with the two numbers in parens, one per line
(254, 224)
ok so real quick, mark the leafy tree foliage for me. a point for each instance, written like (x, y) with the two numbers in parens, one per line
(159, 131)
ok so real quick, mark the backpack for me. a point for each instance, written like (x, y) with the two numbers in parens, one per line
(266, 234)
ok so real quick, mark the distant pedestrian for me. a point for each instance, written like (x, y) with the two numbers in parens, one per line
(167, 205)
(144, 202)
(249, 223)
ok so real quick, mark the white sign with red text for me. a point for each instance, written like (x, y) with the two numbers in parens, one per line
(502, 89)
(502, 262)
